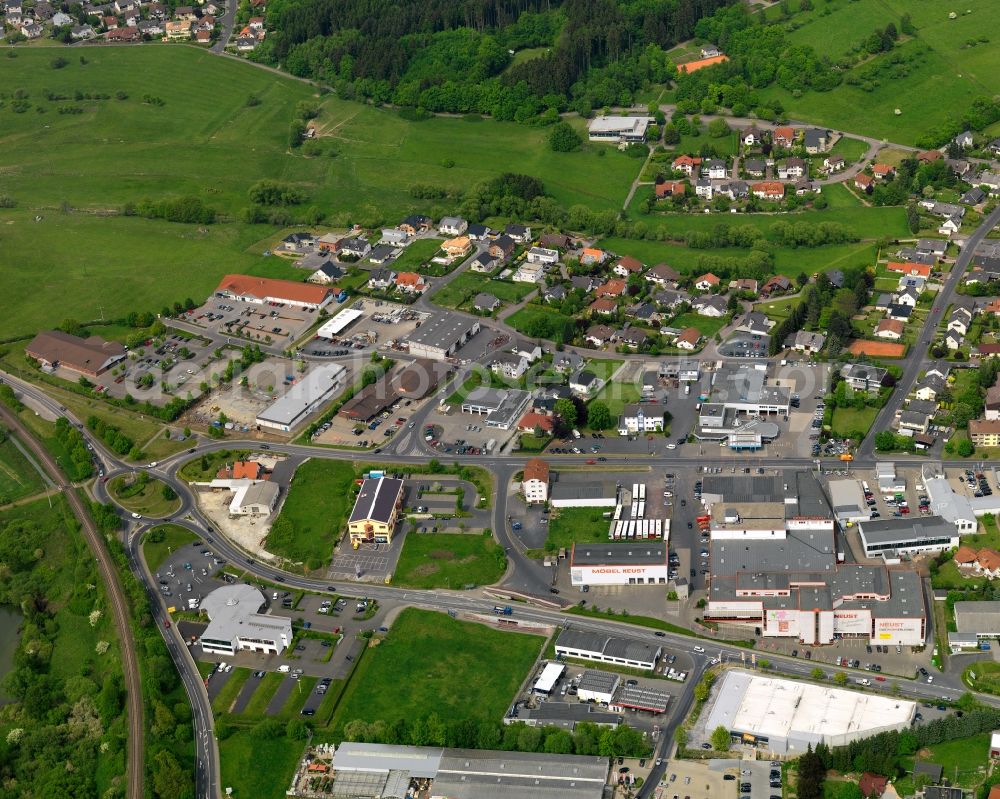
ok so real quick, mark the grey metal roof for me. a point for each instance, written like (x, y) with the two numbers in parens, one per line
(442, 330)
(977, 617)
(889, 531)
(420, 761)
(620, 552)
(472, 774)
(609, 646)
(598, 681)
(576, 490)
(302, 397)
(568, 714)
(643, 698)
(376, 499)
(799, 551)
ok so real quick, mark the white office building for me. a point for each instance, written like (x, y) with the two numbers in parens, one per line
(236, 625)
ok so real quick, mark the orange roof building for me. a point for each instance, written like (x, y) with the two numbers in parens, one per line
(701, 63)
(532, 421)
(604, 305)
(906, 268)
(613, 288)
(263, 289)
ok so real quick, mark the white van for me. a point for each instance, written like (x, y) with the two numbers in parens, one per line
(284, 668)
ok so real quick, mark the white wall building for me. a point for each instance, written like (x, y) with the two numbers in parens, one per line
(236, 624)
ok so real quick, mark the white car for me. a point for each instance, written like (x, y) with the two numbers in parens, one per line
(152, 465)
(671, 446)
(699, 649)
(136, 516)
(930, 679)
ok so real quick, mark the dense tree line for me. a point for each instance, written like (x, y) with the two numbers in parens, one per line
(827, 308)
(431, 730)
(455, 55)
(912, 178)
(116, 440)
(191, 210)
(80, 466)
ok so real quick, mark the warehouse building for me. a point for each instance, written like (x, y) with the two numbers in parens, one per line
(308, 395)
(646, 700)
(339, 323)
(848, 501)
(583, 495)
(891, 538)
(376, 511)
(86, 356)
(619, 563)
(367, 771)
(619, 129)
(549, 678)
(565, 715)
(597, 686)
(236, 625)
(502, 407)
(260, 290)
(978, 619)
(787, 716)
(254, 499)
(607, 649)
(441, 336)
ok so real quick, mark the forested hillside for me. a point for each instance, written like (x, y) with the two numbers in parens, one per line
(455, 55)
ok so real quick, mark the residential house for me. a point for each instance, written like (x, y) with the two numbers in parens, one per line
(994, 147)
(973, 196)
(149, 27)
(485, 303)
(930, 386)
(793, 168)
(883, 301)
(988, 350)
(457, 247)
(643, 312)
(710, 51)
(612, 288)
(543, 256)
(670, 299)
(734, 189)
(834, 163)
(394, 237)
(908, 296)
(890, 329)
(478, 232)
(529, 273)
(556, 293)
(599, 335)
(802, 186)
(703, 188)
(711, 305)
(706, 282)
(382, 253)
(755, 323)
(836, 278)
(934, 247)
(804, 341)
(556, 241)
(872, 785)
(410, 282)
(959, 166)
(783, 136)
(627, 265)
(768, 190)
(864, 182)
(960, 320)
(82, 32)
(862, 377)
(452, 226)
(584, 283)
(688, 339)
(714, 169)
(414, 224)
(816, 140)
(755, 167)
(747, 284)
(583, 383)
(670, 188)
(520, 233)
(779, 284)
(687, 164)
(989, 180)
(326, 274)
(905, 268)
(604, 306)
(964, 139)
(502, 247)
(509, 365)
(31, 30)
(59, 19)
(533, 422)
(353, 247)
(566, 362)
(633, 337)
(484, 262)
(883, 171)
(953, 340)
(899, 312)
(179, 29)
(663, 275)
(127, 34)
(984, 433)
(752, 136)
(381, 279)
(992, 405)
(645, 417)
(983, 562)
(950, 226)
(592, 255)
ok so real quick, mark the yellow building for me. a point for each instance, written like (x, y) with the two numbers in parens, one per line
(376, 511)
(460, 245)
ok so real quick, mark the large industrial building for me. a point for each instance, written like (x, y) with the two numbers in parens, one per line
(620, 563)
(384, 771)
(86, 356)
(607, 649)
(376, 511)
(304, 398)
(776, 568)
(737, 406)
(891, 538)
(235, 624)
(260, 290)
(974, 622)
(786, 716)
(441, 335)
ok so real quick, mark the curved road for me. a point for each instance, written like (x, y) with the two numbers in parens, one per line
(135, 758)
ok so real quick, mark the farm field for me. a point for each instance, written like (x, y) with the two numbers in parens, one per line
(460, 291)
(18, 478)
(448, 560)
(314, 513)
(205, 111)
(432, 663)
(943, 78)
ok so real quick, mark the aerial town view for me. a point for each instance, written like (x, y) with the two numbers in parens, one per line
(489, 400)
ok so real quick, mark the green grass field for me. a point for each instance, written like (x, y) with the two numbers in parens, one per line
(935, 88)
(432, 663)
(848, 420)
(416, 255)
(706, 325)
(987, 677)
(156, 552)
(257, 766)
(460, 291)
(616, 395)
(523, 317)
(149, 500)
(379, 156)
(314, 513)
(569, 525)
(18, 478)
(448, 560)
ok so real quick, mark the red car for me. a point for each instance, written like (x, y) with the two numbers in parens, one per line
(167, 624)
(591, 462)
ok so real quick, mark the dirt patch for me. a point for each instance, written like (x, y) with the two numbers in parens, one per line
(441, 554)
(426, 570)
(249, 532)
(884, 349)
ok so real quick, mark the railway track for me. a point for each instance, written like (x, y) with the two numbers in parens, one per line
(135, 764)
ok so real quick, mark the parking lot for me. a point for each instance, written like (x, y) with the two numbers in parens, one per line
(343, 432)
(275, 324)
(382, 325)
(745, 345)
(692, 779)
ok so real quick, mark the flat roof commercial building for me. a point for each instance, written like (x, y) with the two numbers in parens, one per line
(339, 323)
(583, 495)
(619, 563)
(597, 686)
(547, 680)
(235, 624)
(247, 288)
(376, 511)
(254, 499)
(786, 716)
(565, 715)
(441, 336)
(635, 697)
(87, 356)
(607, 649)
(620, 129)
(467, 773)
(303, 398)
(502, 407)
(890, 538)
(981, 619)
